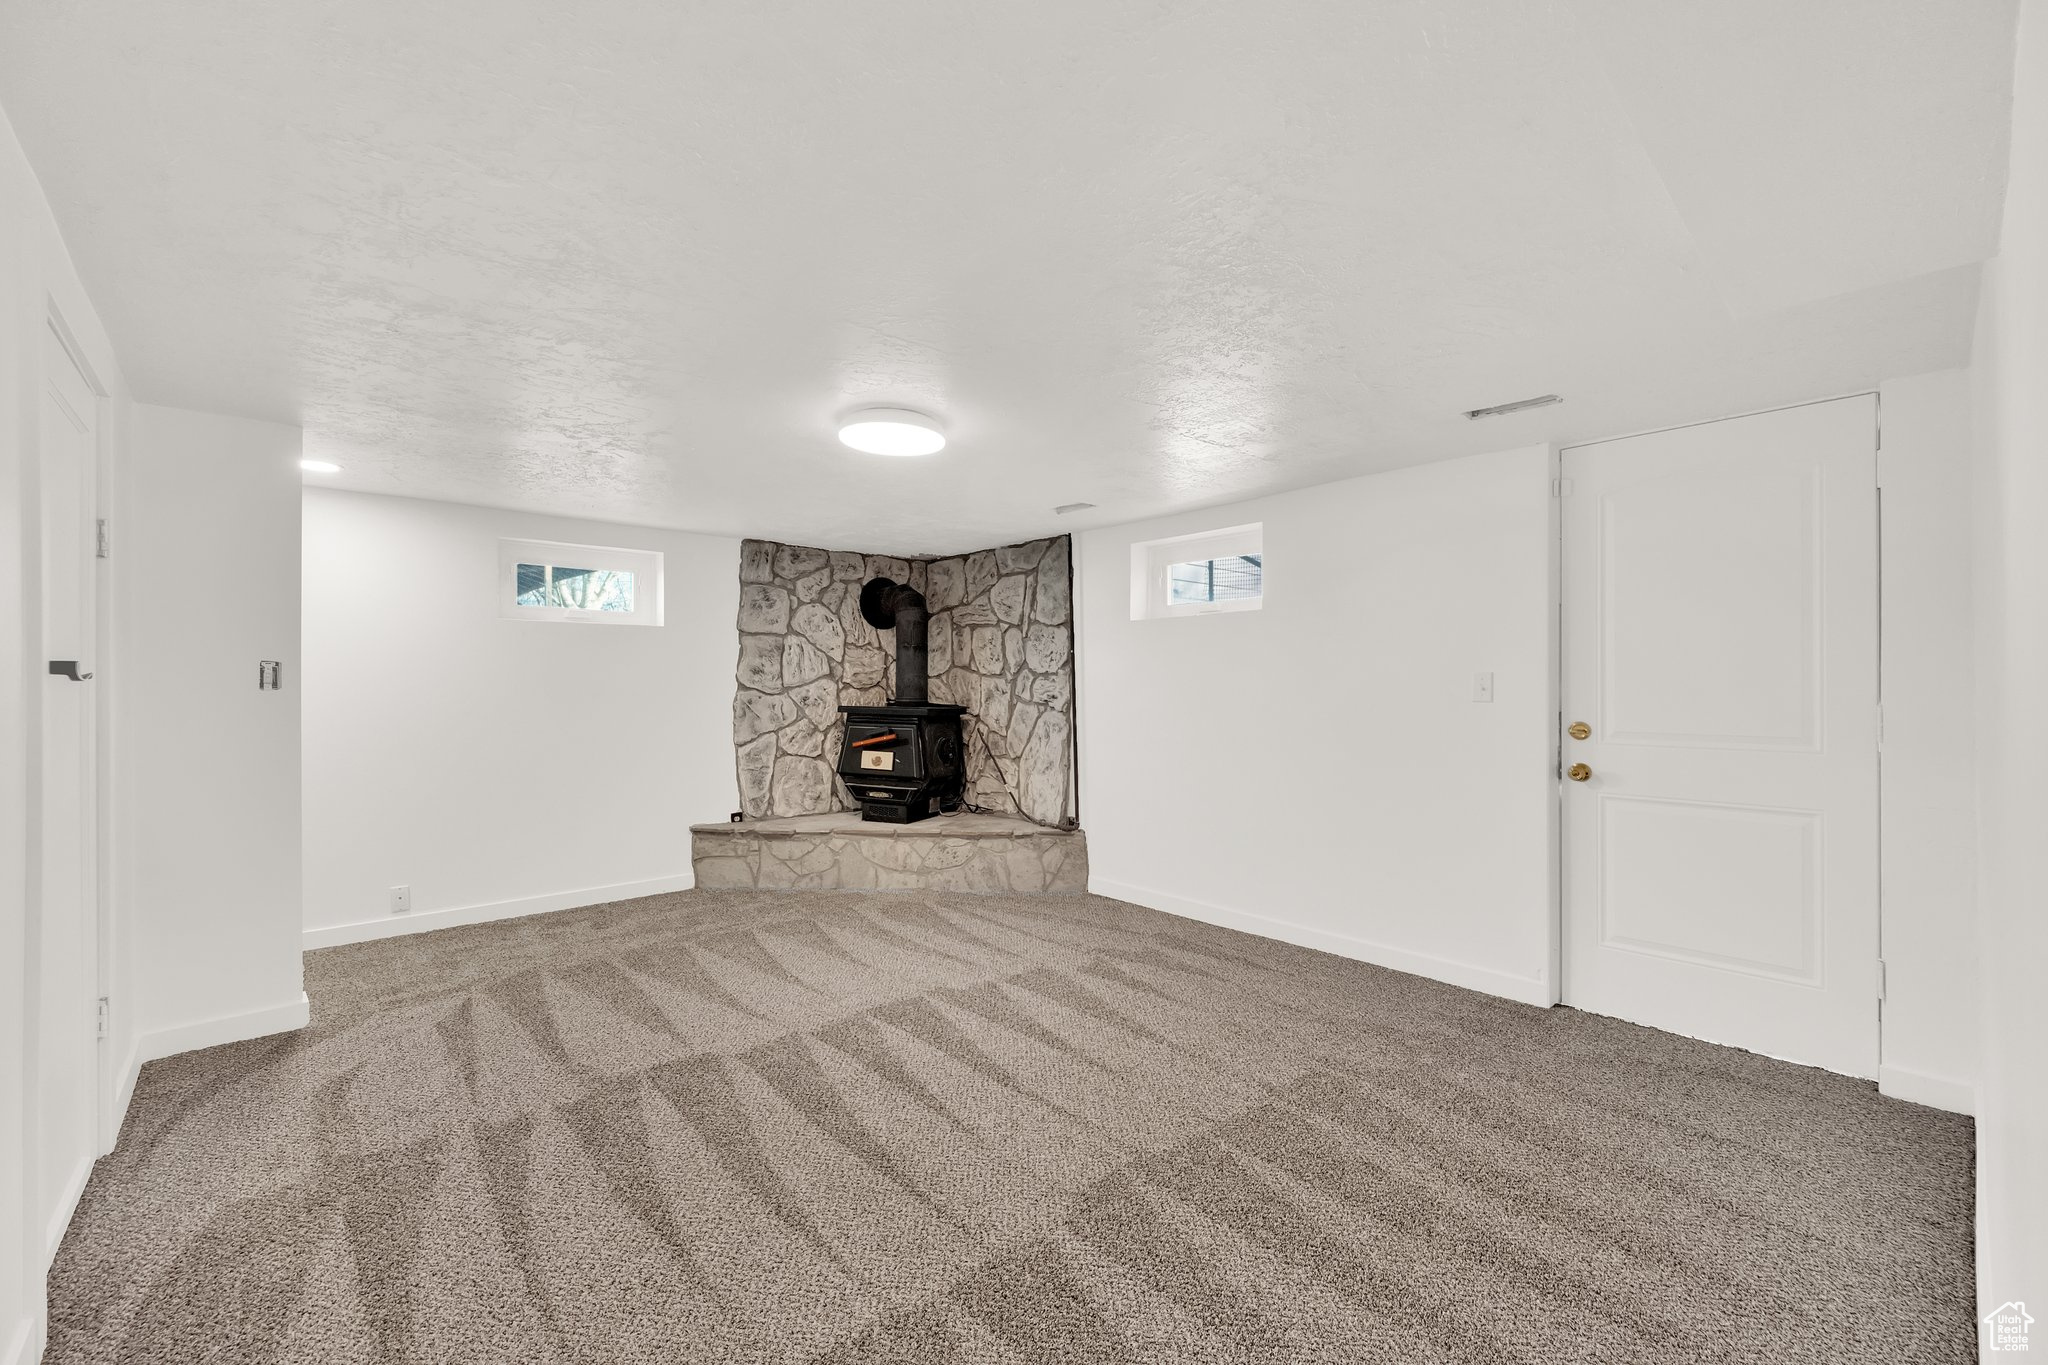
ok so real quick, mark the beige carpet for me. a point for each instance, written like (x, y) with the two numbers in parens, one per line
(816, 1127)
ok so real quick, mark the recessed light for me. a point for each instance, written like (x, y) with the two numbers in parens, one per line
(319, 467)
(892, 431)
(1518, 405)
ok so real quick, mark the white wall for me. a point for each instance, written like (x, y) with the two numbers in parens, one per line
(2011, 390)
(198, 787)
(208, 792)
(1929, 850)
(499, 766)
(1417, 579)
(36, 281)
(1337, 725)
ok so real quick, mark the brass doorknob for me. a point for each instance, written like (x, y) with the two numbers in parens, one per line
(1578, 772)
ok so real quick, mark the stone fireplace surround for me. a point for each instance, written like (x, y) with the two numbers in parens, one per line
(1001, 642)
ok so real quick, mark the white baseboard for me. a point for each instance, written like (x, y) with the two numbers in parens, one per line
(60, 1220)
(1527, 989)
(423, 921)
(1936, 1092)
(124, 1090)
(228, 1028)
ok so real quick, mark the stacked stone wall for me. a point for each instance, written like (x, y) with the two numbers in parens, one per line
(1002, 645)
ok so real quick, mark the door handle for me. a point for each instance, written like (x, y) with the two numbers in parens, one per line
(1578, 772)
(67, 668)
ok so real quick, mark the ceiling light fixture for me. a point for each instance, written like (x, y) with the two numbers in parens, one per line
(892, 431)
(1067, 507)
(1505, 408)
(319, 467)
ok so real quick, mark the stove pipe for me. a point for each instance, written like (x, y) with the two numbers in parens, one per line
(889, 605)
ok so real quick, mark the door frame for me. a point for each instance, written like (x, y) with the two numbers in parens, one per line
(99, 757)
(1558, 956)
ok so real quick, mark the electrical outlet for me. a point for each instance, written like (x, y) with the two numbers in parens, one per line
(1482, 687)
(401, 899)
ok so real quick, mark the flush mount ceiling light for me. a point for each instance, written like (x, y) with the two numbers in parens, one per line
(892, 431)
(319, 467)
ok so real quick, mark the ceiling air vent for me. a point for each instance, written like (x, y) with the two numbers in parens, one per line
(1505, 408)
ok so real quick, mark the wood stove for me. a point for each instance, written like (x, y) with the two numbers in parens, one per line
(904, 761)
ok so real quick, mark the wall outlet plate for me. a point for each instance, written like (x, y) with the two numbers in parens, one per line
(401, 900)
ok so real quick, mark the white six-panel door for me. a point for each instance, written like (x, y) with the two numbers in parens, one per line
(1720, 647)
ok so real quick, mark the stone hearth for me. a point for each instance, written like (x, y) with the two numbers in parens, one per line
(841, 852)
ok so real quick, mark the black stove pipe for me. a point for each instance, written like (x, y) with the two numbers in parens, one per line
(888, 605)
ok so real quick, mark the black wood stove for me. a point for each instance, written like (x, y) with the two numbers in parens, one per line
(903, 761)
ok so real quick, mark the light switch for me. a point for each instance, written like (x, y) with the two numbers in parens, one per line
(1482, 687)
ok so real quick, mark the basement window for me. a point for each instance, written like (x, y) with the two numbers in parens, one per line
(1229, 578)
(1210, 571)
(543, 580)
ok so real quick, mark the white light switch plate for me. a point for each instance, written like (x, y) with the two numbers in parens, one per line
(1482, 687)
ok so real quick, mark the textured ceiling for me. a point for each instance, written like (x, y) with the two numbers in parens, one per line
(630, 259)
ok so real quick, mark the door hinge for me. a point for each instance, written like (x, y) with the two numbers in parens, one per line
(1880, 980)
(1560, 488)
(100, 1018)
(100, 545)
(1880, 727)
